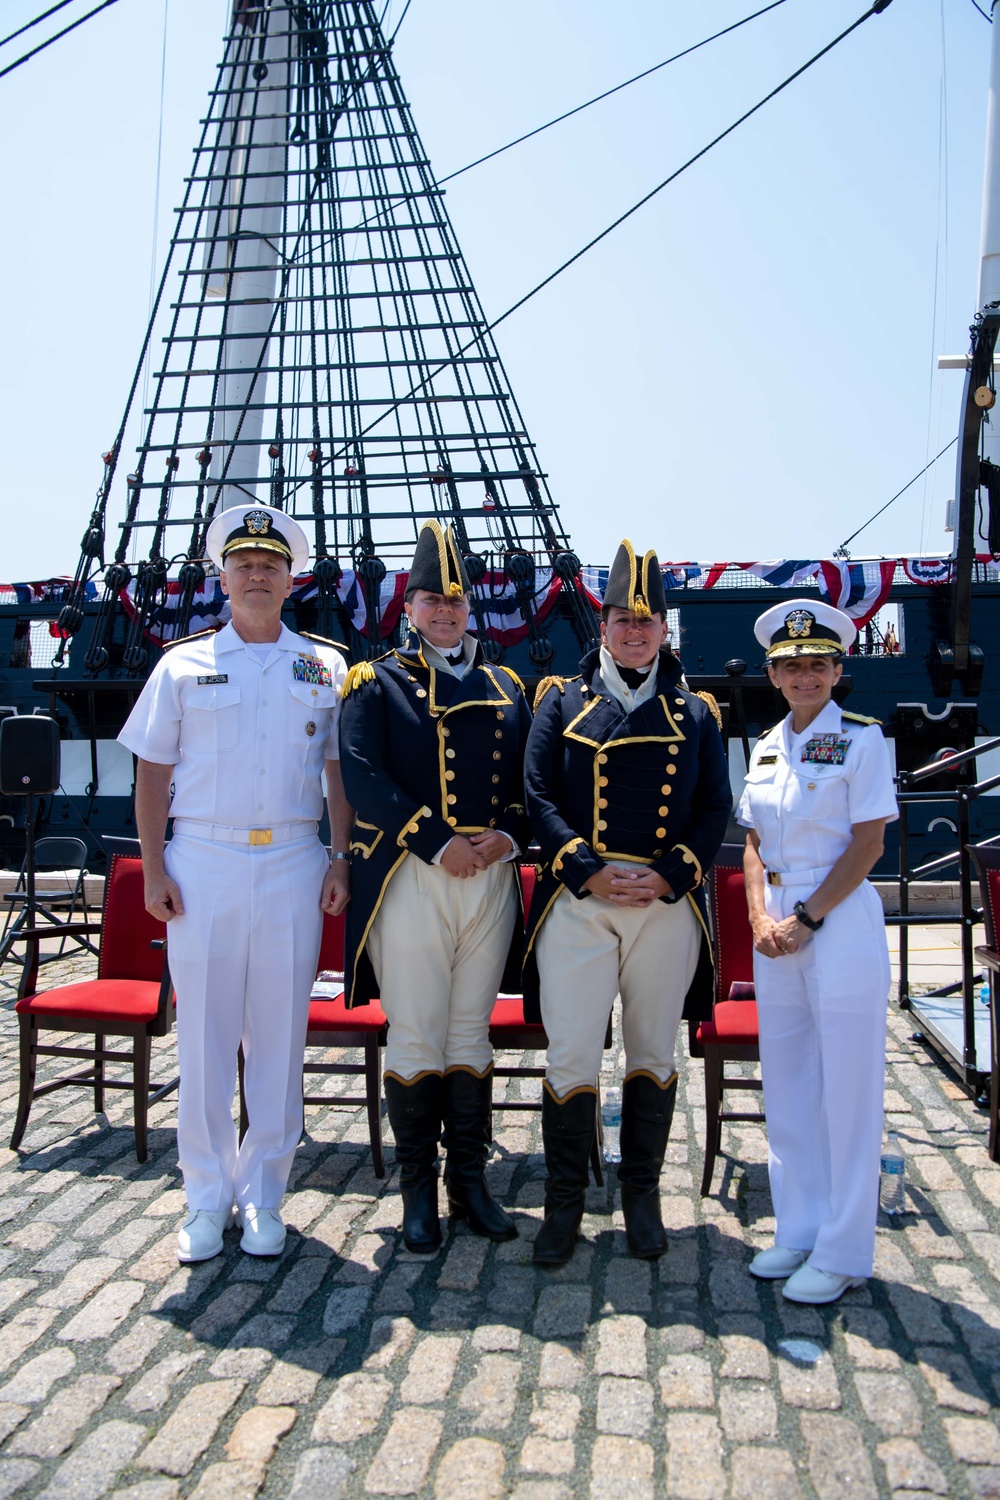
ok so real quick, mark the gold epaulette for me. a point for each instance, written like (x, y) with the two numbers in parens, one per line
(514, 677)
(858, 718)
(323, 640)
(713, 707)
(358, 675)
(545, 684)
(182, 640)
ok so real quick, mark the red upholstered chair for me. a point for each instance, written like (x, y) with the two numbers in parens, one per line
(731, 1034)
(987, 859)
(331, 1024)
(131, 996)
(510, 1032)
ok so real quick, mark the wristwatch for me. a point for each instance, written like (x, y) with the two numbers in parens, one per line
(807, 921)
(339, 854)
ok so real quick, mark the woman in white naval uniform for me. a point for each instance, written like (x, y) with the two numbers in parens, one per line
(234, 731)
(818, 795)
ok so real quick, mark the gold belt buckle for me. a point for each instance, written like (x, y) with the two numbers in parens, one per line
(774, 877)
(260, 835)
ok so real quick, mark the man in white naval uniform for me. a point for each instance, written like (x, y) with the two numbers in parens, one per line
(233, 733)
(818, 794)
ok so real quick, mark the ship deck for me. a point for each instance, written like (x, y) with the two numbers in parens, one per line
(349, 1367)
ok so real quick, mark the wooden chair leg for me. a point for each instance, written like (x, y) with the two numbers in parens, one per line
(713, 1107)
(373, 1095)
(994, 1145)
(140, 1093)
(98, 1074)
(244, 1117)
(28, 1032)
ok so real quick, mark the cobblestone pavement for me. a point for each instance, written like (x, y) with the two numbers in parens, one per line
(350, 1368)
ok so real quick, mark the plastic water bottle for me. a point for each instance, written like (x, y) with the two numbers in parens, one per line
(892, 1181)
(611, 1124)
(984, 992)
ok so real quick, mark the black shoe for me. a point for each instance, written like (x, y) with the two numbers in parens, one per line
(414, 1107)
(568, 1126)
(467, 1107)
(647, 1113)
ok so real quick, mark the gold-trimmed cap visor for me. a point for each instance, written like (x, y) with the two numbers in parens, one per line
(240, 543)
(818, 646)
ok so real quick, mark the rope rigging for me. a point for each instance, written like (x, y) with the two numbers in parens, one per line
(65, 32)
(843, 546)
(607, 92)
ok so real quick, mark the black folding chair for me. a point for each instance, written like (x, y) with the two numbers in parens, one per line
(60, 863)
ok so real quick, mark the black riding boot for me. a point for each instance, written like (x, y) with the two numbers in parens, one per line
(568, 1134)
(647, 1111)
(414, 1107)
(467, 1109)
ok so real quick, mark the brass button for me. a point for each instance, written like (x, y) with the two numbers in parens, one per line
(421, 692)
(493, 822)
(495, 801)
(657, 853)
(452, 799)
(500, 715)
(601, 824)
(453, 822)
(665, 790)
(671, 770)
(661, 833)
(499, 734)
(315, 692)
(602, 760)
(602, 781)
(450, 754)
(672, 750)
(600, 847)
(664, 811)
(679, 702)
(445, 732)
(812, 786)
(602, 801)
(449, 776)
(409, 678)
(497, 755)
(496, 781)
(678, 718)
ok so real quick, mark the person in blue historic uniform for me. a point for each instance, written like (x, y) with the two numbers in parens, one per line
(627, 791)
(818, 795)
(432, 747)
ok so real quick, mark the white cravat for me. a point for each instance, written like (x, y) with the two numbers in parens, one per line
(619, 688)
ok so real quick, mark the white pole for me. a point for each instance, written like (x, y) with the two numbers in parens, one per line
(989, 269)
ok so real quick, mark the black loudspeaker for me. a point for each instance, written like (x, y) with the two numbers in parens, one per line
(29, 756)
(922, 736)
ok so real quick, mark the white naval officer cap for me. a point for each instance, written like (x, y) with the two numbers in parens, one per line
(261, 527)
(804, 627)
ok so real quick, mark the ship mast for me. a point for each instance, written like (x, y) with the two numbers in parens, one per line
(318, 345)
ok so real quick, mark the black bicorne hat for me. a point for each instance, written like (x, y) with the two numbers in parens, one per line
(636, 583)
(437, 565)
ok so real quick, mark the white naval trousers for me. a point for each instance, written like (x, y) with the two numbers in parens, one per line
(587, 952)
(243, 960)
(438, 946)
(822, 1017)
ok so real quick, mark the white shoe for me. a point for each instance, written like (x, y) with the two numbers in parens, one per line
(777, 1262)
(810, 1284)
(263, 1231)
(200, 1236)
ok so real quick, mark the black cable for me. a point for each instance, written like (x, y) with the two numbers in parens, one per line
(983, 13)
(43, 17)
(608, 92)
(896, 496)
(65, 32)
(399, 23)
(874, 10)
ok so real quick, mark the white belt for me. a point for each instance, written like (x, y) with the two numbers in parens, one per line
(797, 877)
(225, 834)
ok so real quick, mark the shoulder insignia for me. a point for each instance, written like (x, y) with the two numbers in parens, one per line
(323, 640)
(182, 640)
(858, 718)
(513, 676)
(712, 707)
(547, 683)
(358, 675)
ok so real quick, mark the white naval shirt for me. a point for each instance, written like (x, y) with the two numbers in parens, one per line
(248, 738)
(803, 805)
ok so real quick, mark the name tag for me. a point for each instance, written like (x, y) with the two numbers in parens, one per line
(826, 750)
(311, 669)
(209, 681)
(768, 760)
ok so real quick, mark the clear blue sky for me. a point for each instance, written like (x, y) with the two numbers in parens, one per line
(745, 370)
